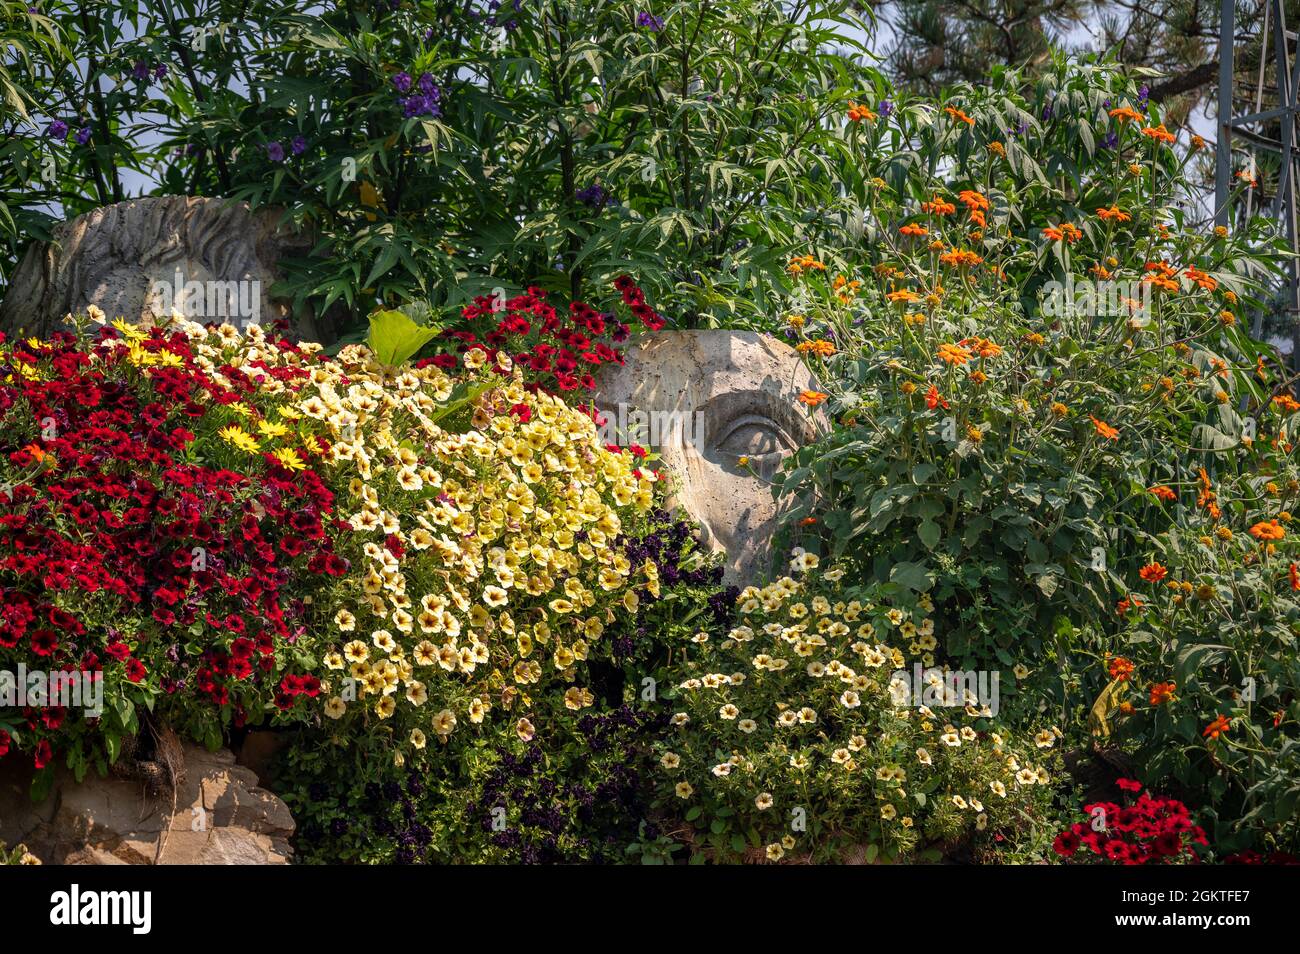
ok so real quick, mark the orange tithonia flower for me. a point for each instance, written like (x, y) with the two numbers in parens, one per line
(1162, 692)
(1153, 572)
(938, 206)
(822, 349)
(1125, 114)
(1267, 530)
(982, 347)
(913, 229)
(1064, 232)
(903, 295)
(812, 398)
(959, 258)
(1287, 403)
(1162, 492)
(1216, 728)
(1159, 133)
(1104, 429)
(858, 113)
(953, 354)
(1114, 213)
(1121, 668)
(958, 115)
(933, 399)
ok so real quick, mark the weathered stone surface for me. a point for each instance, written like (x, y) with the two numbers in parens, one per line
(114, 256)
(715, 396)
(221, 817)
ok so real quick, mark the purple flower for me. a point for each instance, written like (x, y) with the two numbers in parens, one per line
(57, 130)
(141, 70)
(886, 107)
(298, 145)
(402, 82)
(650, 21)
(160, 71)
(1111, 140)
(594, 196)
(83, 135)
(427, 86)
(1143, 94)
(275, 152)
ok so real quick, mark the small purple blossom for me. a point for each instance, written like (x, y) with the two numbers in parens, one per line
(140, 70)
(275, 152)
(594, 196)
(1111, 140)
(298, 145)
(83, 135)
(886, 107)
(57, 130)
(160, 71)
(650, 22)
(402, 82)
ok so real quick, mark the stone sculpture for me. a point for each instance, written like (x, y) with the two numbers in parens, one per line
(211, 259)
(703, 400)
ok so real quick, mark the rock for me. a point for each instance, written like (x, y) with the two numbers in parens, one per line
(212, 259)
(703, 400)
(222, 817)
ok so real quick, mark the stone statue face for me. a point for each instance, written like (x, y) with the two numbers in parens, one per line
(703, 400)
(212, 260)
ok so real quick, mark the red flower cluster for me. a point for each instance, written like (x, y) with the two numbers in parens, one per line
(122, 555)
(557, 351)
(1151, 831)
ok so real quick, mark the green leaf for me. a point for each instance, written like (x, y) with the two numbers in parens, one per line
(394, 337)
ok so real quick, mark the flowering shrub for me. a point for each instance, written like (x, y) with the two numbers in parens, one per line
(795, 735)
(557, 352)
(1150, 831)
(147, 547)
(573, 791)
(1047, 416)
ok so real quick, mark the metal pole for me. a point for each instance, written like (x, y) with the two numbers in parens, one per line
(1223, 154)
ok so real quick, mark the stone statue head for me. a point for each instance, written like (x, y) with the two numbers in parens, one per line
(211, 259)
(720, 408)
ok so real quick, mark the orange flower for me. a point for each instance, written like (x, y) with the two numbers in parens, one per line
(914, 229)
(933, 399)
(1125, 114)
(812, 398)
(1162, 492)
(1267, 530)
(1216, 728)
(1159, 133)
(1287, 403)
(982, 347)
(1064, 232)
(858, 113)
(958, 115)
(997, 149)
(904, 295)
(953, 354)
(1202, 279)
(1153, 572)
(1114, 213)
(1162, 692)
(1104, 429)
(958, 258)
(1121, 668)
(822, 349)
(38, 454)
(1129, 602)
(938, 206)
(1293, 573)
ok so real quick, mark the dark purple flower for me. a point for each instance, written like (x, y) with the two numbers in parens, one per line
(57, 130)
(141, 70)
(886, 107)
(160, 71)
(83, 135)
(595, 196)
(402, 82)
(427, 86)
(298, 145)
(1111, 140)
(650, 22)
(275, 152)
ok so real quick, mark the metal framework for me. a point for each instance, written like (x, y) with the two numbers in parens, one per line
(1250, 128)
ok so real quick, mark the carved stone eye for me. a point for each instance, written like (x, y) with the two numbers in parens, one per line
(753, 435)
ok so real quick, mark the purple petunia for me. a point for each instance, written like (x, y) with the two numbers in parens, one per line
(275, 152)
(57, 130)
